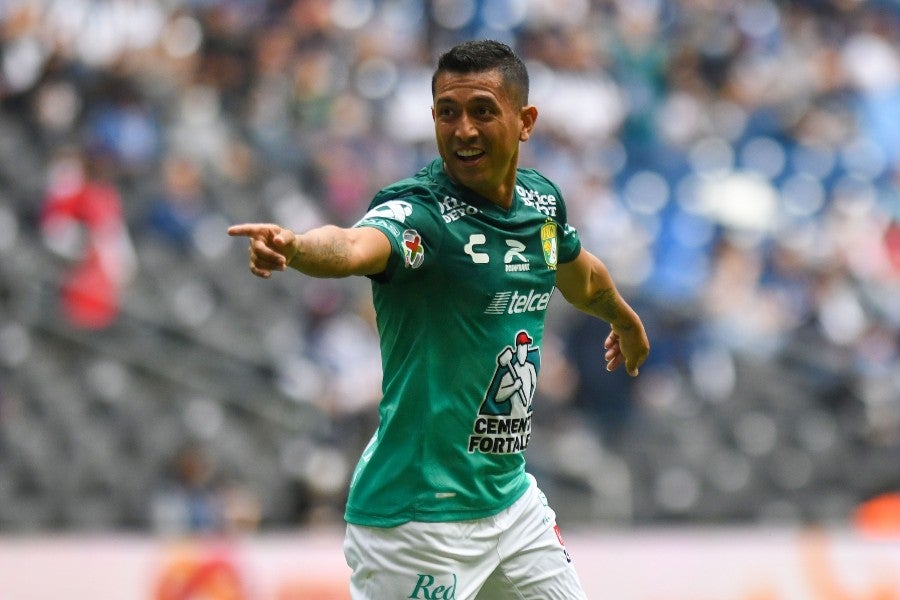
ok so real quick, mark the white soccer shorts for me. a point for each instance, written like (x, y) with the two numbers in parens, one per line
(517, 554)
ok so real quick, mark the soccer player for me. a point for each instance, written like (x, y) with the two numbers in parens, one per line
(463, 258)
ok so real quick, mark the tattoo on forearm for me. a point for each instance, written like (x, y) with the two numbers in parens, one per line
(603, 303)
(323, 253)
(339, 250)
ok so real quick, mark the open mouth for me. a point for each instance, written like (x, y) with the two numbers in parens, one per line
(469, 156)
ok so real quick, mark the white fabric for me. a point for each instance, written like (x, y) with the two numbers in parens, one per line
(516, 554)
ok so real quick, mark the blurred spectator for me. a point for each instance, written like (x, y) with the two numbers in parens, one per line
(737, 165)
(82, 221)
(742, 313)
(196, 498)
(181, 204)
(189, 500)
(122, 127)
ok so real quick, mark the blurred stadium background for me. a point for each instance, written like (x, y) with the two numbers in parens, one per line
(736, 164)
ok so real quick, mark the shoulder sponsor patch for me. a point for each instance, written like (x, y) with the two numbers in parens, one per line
(413, 251)
(395, 228)
(396, 210)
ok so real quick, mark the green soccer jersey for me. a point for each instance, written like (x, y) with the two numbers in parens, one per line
(460, 312)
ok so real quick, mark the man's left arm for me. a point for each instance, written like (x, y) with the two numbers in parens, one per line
(586, 284)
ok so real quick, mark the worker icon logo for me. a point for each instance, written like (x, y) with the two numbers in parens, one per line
(503, 424)
(516, 375)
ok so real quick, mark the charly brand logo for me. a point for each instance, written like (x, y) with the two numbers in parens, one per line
(429, 587)
(413, 250)
(478, 257)
(515, 258)
(396, 210)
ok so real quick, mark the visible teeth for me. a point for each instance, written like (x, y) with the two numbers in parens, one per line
(468, 153)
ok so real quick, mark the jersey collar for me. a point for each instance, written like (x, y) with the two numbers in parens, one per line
(438, 175)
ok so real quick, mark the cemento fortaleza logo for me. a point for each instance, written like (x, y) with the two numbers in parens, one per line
(430, 587)
(514, 302)
(503, 422)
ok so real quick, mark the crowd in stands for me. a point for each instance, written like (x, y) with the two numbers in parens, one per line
(735, 164)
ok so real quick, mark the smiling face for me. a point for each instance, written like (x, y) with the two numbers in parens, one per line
(479, 124)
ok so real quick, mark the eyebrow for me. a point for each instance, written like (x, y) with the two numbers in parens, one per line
(477, 99)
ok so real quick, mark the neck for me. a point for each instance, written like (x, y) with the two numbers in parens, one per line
(501, 195)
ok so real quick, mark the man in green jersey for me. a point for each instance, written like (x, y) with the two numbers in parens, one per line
(463, 257)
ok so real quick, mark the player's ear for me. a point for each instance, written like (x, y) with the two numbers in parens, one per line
(528, 115)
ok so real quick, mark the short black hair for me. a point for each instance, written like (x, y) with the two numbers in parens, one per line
(479, 56)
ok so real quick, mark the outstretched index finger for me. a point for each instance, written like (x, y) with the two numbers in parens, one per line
(254, 230)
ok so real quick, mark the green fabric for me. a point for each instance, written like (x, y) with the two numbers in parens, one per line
(464, 279)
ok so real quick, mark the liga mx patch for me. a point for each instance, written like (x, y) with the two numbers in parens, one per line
(413, 251)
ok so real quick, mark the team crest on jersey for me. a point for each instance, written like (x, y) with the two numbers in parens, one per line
(503, 423)
(549, 243)
(413, 251)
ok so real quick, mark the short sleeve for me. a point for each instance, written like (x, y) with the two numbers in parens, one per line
(411, 225)
(569, 244)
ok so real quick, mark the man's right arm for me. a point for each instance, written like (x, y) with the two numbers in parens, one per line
(327, 251)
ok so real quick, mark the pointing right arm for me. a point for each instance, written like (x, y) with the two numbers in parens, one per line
(327, 251)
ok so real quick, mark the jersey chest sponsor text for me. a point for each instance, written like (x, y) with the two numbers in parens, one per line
(500, 435)
(544, 203)
(514, 302)
(452, 209)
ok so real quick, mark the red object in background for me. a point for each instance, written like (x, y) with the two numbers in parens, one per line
(89, 296)
(194, 577)
(89, 292)
(892, 244)
(879, 515)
